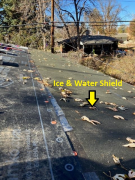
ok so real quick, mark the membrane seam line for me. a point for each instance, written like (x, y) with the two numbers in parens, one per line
(45, 141)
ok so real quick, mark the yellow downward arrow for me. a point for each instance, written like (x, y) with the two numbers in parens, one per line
(92, 98)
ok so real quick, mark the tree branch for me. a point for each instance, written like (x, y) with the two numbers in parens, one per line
(69, 13)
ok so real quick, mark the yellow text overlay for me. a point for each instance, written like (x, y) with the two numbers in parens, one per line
(78, 83)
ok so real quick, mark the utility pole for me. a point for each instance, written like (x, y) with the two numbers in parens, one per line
(52, 26)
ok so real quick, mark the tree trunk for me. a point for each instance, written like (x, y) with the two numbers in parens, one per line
(78, 36)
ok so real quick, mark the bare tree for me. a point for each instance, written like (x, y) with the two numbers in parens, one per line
(110, 11)
(75, 13)
(94, 18)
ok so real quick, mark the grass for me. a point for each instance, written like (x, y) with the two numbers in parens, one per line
(121, 68)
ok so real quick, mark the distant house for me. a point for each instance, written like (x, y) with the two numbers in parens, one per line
(89, 42)
(98, 43)
(122, 37)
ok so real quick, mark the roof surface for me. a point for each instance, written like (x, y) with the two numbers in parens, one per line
(92, 40)
(98, 39)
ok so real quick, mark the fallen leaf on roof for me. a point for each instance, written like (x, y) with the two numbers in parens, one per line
(63, 99)
(131, 173)
(70, 78)
(120, 177)
(8, 80)
(77, 112)
(25, 81)
(30, 71)
(68, 91)
(61, 88)
(129, 145)
(48, 78)
(94, 122)
(101, 102)
(26, 77)
(124, 98)
(113, 104)
(108, 92)
(93, 108)
(118, 117)
(84, 104)
(129, 91)
(113, 109)
(63, 93)
(133, 113)
(31, 61)
(116, 159)
(24, 70)
(37, 78)
(78, 100)
(122, 108)
(130, 140)
(107, 103)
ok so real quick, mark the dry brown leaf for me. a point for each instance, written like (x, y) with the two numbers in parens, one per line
(113, 104)
(48, 78)
(129, 145)
(124, 98)
(116, 159)
(77, 112)
(101, 102)
(108, 92)
(118, 117)
(45, 83)
(63, 93)
(68, 91)
(84, 104)
(30, 71)
(93, 108)
(129, 91)
(78, 100)
(130, 140)
(113, 109)
(107, 103)
(94, 122)
(133, 113)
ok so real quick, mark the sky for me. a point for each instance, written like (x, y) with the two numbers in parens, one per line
(129, 9)
(127, 14)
